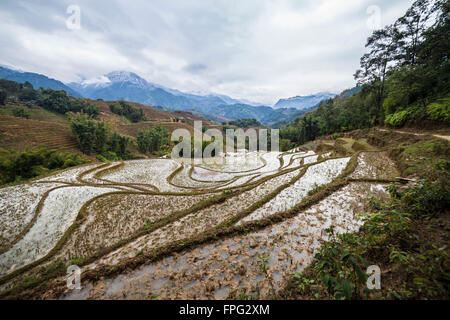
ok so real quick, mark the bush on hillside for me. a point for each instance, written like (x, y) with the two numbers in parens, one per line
(397, 119)
(3, 96)
(20, 113)
(118, 144)
(60, 102)
(94, 137)
(153, 139)
(440, 110)
(18, 166)
(131, 113)
(91, 134)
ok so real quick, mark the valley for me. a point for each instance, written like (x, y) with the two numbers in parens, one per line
(114, 186)
(160, 228)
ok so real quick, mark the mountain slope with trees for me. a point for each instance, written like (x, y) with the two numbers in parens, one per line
(36, 80)
(404, 79)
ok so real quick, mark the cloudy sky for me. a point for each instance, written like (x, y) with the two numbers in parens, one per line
(260, 50)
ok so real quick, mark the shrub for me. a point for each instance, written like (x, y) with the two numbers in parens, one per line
(20, 113)
(94, 136)
(84, 130)
(128, 111)
(27, 94)
(16, 166)
(439, 111)
(59, 101)
(427, 197)
(118, 144)
(397, 119)
(3, 96)
(286, 144)
(101, 158)
(153, 139)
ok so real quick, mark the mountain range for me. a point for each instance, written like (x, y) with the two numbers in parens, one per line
(303, 102)
(129, 86)
(36, 79)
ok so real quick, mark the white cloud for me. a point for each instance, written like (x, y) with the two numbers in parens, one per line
(254, 49)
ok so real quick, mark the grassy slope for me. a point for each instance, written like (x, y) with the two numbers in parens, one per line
(52, 129)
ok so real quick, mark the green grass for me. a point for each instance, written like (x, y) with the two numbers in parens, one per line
(35, 113)
(422, 157)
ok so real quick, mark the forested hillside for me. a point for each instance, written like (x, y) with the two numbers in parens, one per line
(404, 79)
(46, 130)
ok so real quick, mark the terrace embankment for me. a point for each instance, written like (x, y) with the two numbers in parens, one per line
(155, 227)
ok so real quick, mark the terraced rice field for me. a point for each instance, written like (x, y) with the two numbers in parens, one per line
(159, 227)
(18, 133)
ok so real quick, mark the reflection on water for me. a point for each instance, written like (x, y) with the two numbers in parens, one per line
(229, 267)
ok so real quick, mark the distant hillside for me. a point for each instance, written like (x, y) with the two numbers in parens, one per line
(27, 123)
(303, 102)
(37, 80)
(128, 86)
(291, 117)
(264, 114)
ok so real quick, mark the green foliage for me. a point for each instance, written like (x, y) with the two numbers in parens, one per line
(440, 110)
(422, 157)
(303, 284)
(397, 119)
(427, 197)
(153, 139)
(27, 94)
(286, 144)
(131, 113)
(53, 100)
(302, 130)
(405, 69)
(101, 158)
(388, 236)
(3, 96)
(84, 129)
(245, 123)
(95, 136)
(317, 188)
(16, 166)
(60, 102)
(10, 87)
(250, 296)
(263, 262)
(340, 267)
(20, 113)
(118, 144)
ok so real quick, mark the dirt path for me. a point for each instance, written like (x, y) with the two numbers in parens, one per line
(418, 134)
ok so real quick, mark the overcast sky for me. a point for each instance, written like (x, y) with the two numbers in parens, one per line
(249, 49)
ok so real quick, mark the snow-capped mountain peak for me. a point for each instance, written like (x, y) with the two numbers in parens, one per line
(122, 76)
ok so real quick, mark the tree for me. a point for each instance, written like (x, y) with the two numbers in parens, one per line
(433, 52)
(412, 26)
(84, 130)
(27, 94)
(128, 111)
(101, 137)
(153, 139)
(54, 100)
(384, 46)
(3, 96)
(118, 144)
